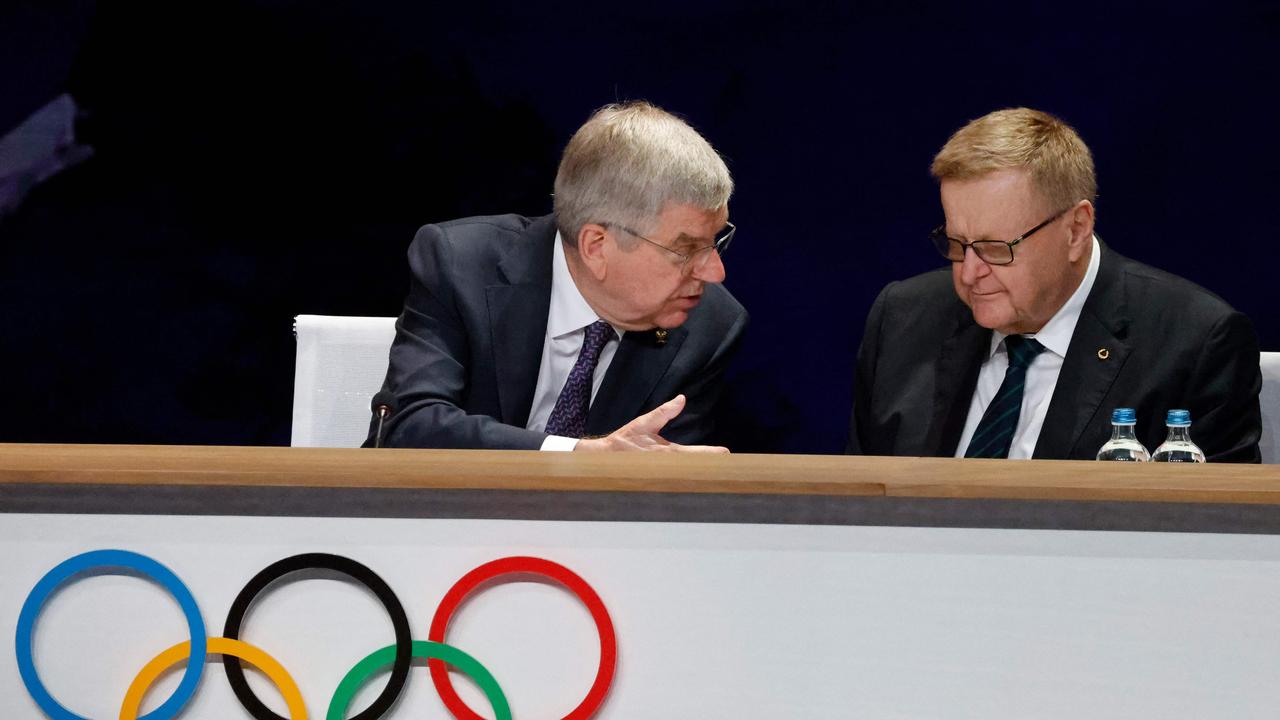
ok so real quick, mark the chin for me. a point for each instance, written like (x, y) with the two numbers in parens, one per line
(992, 318)
(671, 320)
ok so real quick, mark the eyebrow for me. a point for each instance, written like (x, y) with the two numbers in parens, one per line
(984, 238)
(686, 239)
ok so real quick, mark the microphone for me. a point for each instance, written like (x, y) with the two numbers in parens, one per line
(383, 406)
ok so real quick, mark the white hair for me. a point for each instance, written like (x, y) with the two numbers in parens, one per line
(627, 162)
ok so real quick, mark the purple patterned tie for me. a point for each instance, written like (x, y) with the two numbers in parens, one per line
(569, 417)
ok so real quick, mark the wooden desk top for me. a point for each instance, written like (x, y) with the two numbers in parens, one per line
(822, 475)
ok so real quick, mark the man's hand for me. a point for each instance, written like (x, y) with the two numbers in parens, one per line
(642, 433)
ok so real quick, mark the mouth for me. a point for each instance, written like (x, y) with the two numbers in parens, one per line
(689, 301)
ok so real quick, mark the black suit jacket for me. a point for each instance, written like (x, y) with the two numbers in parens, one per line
(1169, 344)
(464, 363)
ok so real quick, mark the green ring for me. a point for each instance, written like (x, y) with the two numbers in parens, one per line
(423, 650)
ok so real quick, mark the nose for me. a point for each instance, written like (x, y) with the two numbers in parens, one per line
(712, 271)
(972, 268)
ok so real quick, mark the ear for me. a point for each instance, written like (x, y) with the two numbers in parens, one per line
(1081, 224)
(593, 249)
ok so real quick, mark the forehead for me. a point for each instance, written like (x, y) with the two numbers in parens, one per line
(998, 205)
(689, 222)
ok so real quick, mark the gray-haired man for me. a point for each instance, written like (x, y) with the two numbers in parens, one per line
(605, 321)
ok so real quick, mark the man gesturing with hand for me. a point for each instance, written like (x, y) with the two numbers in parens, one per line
(605, 321)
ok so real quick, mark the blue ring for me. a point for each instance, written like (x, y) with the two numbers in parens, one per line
(109, 562)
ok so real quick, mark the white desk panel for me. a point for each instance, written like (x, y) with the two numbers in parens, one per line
(713, 620)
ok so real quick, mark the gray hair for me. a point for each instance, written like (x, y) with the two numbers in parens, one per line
(627, 162)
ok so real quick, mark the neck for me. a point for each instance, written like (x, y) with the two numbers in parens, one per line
(591, 290)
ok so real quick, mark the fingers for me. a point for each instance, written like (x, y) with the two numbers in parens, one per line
(649, 443)
(643, 433)
(656, 419)
(711, 449)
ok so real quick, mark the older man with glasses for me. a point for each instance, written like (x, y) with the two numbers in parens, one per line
(1038, 330)
(601, 327)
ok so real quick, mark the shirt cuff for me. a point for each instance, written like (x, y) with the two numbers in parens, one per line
(559, 443)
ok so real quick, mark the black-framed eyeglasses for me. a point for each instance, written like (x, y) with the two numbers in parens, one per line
(992, 252)
(696, 259)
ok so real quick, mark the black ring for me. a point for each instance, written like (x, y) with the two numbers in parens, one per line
(321, 561)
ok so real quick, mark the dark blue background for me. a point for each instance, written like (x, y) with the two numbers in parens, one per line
(260, 159)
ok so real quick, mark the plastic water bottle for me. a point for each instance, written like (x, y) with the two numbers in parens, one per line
(1123, 445)
(1177, 447)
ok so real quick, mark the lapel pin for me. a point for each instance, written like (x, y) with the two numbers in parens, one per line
(1103, 353)
(660, 336)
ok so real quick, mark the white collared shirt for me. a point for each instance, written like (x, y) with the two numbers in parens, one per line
(1042, 374)
(567, 321)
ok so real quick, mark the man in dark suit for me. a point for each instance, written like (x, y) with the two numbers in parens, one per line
(601, 327)
(1038, 331)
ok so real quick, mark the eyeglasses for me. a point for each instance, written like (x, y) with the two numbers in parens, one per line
(697, 259)
(992, 252)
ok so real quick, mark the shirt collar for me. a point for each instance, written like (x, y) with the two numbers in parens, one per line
(569, 310)
(1056, 334)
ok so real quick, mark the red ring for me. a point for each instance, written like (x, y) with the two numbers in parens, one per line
(534, 566)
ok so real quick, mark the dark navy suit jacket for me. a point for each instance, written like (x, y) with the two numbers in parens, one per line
(465, 359)
(1146, 339)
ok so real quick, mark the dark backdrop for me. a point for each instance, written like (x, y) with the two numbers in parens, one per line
(258, 159)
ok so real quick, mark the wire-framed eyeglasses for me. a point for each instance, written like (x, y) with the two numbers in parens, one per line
(696, 259)
(992, 252)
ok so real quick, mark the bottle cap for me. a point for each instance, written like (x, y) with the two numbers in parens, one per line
(1123, 416)
(1178, 417)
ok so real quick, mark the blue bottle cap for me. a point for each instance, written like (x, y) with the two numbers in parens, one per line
(1123, 416)
(1178, 417)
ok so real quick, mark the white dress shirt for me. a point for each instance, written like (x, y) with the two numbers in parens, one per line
(1042, 374)
(567, 321)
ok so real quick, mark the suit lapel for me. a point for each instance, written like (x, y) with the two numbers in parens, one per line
(1086, 377)
(956, 376)
(518, 319)
(632, 376)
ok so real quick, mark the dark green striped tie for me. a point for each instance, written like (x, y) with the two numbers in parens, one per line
(995, 433)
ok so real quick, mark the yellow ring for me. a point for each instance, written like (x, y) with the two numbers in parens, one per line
(223, 646)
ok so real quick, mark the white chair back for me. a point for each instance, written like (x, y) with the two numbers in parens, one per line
(340, 365)
(1270, 400)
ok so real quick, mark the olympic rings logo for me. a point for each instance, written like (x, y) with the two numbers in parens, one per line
(398, 656)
